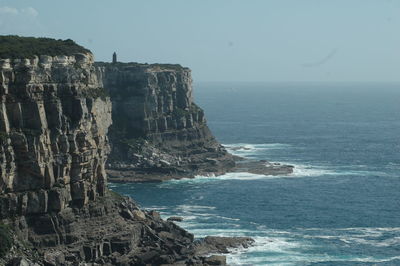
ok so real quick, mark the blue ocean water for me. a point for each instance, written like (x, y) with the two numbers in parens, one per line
(341, 206)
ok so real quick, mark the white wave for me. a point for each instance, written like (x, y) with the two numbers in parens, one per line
(393, 166)
(282, 247)
(307, 170)
(193, 208)
(268, 249)
(302, 260)
(375, 260)
(284, 251)
(298, 171)
(362, 236)
(250, 150)
(156, 208)
(227, 218)
(247, 146)
(303, 170)
(287, 248)
(199, 179)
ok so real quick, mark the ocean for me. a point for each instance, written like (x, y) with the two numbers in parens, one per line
(341, 206)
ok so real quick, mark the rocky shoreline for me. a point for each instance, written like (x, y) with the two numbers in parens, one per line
(159, 133)
(242, 165)
(113, 231)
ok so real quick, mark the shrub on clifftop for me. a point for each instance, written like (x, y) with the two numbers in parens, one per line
(16, 47)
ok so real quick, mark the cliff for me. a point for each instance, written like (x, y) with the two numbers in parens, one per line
(54, 145)
(53, 134)
(55, 208)
(158, 132)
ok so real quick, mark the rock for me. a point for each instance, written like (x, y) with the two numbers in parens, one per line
(231, 242)
(21, 262)
(153, 105)
(175, 219)
(54, 258)
(139, 215)
(149, 256)
(215, 260)
(155, 215)
(165, 163)
(54, 120)
(217, 244)
(262, 167)
(127, 214)
(55, 127)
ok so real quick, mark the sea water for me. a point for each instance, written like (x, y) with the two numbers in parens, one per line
(341, 206)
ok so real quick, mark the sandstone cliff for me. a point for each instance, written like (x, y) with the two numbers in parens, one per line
(54, 201)
(158, 132)
(54, 125)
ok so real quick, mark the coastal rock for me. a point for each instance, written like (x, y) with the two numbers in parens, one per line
(53, 134)
(158, 132)
(262, 167)
(54, 119)
(217, 244)
(175, 219)
(215, 260)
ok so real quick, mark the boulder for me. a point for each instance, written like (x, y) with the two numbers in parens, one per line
(215, 260)
(175, 219)
(139, 215)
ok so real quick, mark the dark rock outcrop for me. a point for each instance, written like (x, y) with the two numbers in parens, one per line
(218, 244)
(262, 167)
(158, 132)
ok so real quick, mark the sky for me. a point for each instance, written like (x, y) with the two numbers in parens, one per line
(227, 40)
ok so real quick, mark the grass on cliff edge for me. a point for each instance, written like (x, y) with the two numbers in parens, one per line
(16, 47)
(5, 240)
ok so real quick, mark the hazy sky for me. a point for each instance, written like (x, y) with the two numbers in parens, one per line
(227, 40)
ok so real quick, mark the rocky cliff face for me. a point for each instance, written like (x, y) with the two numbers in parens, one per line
(158, 131)
(53, 128)
(54, 120)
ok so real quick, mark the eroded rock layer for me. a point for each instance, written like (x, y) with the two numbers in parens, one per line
(158, 131)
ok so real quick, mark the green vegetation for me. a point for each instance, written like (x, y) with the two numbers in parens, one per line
(16, 47)
(5, 240)
(168, 66)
